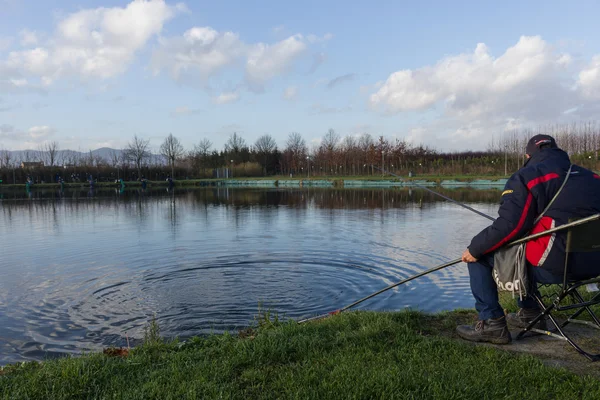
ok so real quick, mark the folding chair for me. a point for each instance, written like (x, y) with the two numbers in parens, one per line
(580, 239)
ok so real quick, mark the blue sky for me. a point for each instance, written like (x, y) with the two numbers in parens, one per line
(448, 74)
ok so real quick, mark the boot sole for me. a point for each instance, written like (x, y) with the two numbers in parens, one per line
(503, 340)
(523, 325)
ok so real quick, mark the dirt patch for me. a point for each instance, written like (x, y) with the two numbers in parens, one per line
(552, 351)
(116, 352)
(559, 353)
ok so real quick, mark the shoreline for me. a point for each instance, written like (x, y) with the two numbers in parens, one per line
(267, 182)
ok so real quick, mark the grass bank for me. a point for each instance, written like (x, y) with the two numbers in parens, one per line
(354, 355)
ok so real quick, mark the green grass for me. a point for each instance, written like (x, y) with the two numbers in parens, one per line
(357, 355)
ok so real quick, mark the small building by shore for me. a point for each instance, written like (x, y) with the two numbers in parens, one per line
(32, 164)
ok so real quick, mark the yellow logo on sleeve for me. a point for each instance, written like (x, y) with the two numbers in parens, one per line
(507, 192)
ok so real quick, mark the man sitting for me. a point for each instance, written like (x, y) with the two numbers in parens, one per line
(527, 194)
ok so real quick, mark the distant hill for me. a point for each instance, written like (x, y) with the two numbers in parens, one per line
(105, 154)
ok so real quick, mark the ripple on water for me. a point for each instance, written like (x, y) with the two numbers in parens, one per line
(225, 293)
(219, 294)
(207, 269)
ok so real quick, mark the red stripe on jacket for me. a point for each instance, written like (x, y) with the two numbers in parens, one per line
(530, 185)
(519, 225)
(534, 182)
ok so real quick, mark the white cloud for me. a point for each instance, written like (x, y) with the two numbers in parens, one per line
(40, 132)
(28, 38)
(471, 82)
(268, 61)
(110, 144)
(201, 50)
(227, 97)
(475, 94)
(35, 134)
(589, 79)
(98, 43)
(416, 135)
(290, 93)
(182, 8)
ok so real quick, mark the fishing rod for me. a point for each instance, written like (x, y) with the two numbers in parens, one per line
(453, 262)
(440, 195)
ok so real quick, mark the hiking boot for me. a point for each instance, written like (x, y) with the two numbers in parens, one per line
(490, 330)
(524, 316)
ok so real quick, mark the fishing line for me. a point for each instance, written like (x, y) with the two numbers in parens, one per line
(453, 262)
(439, 194)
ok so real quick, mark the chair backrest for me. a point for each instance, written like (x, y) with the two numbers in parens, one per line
(584, 238)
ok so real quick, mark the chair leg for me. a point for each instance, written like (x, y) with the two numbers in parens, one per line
(546, 311)
(577, 296)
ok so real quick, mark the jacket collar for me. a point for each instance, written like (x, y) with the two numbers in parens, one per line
(547, 154)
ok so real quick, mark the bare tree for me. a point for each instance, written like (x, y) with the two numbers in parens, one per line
(203, 148)
(40, 154)
(88, 159)
(172, 150)
(96, 160)
(295, 150)
(331, 140)
(264, 146)
(137, 151)
(235, 144)
(350, 150)
(200, 153)
(70, 157)
(330, 144)
(51, 150)
(5, 159)
(115, 158)
(367, 149)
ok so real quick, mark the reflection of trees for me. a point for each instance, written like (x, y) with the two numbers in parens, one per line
(336, 198)
(139, 205)
(240, 204)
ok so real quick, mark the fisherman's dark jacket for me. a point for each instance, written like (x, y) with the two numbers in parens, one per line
(526, 194)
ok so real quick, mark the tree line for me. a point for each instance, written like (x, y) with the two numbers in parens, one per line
(334, 156)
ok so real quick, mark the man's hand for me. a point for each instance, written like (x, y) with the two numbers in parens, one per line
(467, 257)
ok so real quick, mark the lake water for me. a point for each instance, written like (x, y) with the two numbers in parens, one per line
(83, 270)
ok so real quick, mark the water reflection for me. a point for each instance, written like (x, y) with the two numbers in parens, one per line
(298, 198)
(80, 269)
